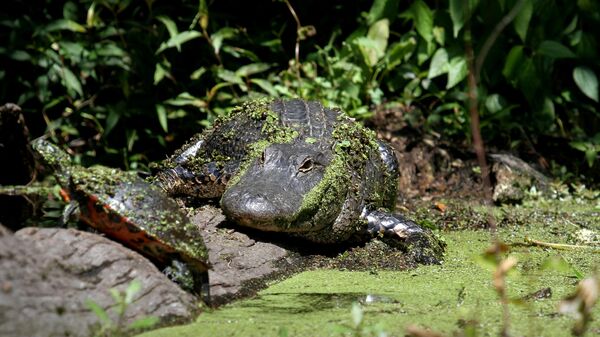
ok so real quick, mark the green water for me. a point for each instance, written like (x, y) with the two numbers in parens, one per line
(451, 298)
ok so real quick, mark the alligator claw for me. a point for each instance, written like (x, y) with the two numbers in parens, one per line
(421, 244)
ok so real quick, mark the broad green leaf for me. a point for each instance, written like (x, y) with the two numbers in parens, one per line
(64, 24)
(71, 81)
(581, 146)
(179, 39)
(439, 63)
(400, 51)
(379, 33)
(439, 34)
(590, 155)
(144, 323)
(555, 49)
(513, 62)
(161, 112)
(587, 81)
(266, 86)
(494, 103)
(169, 24)
(20, 55)
(221, 35)
(522, 19)
(251, 69)
(111, 120)
(457, 71)
(460, 13)
(383, 9)
(423, 18)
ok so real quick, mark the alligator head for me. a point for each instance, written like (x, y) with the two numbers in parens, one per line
(283, 188)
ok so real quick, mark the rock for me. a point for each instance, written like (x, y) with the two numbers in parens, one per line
(513, 178)
(241, 264)
(47, 274)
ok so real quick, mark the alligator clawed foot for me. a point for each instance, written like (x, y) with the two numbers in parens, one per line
(421, 244)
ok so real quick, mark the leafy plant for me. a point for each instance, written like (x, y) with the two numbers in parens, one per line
(123, 299)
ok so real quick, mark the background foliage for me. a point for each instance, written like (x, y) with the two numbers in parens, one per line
(126, 82)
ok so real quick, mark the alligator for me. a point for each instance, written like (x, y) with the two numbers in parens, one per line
(296, 167)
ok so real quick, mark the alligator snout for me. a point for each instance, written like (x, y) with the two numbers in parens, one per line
(256, 209)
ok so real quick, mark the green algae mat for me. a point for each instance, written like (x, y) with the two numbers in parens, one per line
(456, 298)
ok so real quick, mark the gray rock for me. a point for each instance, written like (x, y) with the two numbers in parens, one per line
(241, 265)
(46, 276)
(514, 178)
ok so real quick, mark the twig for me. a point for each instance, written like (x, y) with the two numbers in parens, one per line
(562, 246)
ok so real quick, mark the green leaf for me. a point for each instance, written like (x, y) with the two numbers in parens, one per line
(111, 120)
(71, 81)
(587, 81)
(230, 77)
(198, 73)
(513, 62)
(221, 35)
(580, 146)
(555, 49)
(159, 73)
(438, 64)
(161, 112)
(144, 323)
(590, 155)
(494, 103)
(20, 55)
(383, 9)
(251, 69)
(457, 71)
(423, 17)
(178, 40)
(373, 46)
(522, 19)
(400, 51)
(185, 99)
(460, 14)
(98, 311)
(64, 24)
(266, 86)
(170, 24)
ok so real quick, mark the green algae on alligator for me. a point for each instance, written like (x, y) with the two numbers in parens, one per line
(298, 168)
(133, 212)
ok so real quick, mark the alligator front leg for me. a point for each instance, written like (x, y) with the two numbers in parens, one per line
(419, 242)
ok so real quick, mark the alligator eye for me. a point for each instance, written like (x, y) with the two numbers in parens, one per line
(307, 165)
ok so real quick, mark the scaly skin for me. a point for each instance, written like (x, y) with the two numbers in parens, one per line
(295, 167)
(131, 211)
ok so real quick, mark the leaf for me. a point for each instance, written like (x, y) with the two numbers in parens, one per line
(423, 18)
(161, 112)
(98, 311)
(400, 51)
(373, 46)
(383, 9)
(144, 323)
(198, 73)
(266, 86)
(220, 36)
(170, 24)
(230, 77)
(587, 81)
(555, 49)
(590, 155)
(64, 24)
(513, 61)
(20, 55)
(71, 81)
(179, 39)
(111, 120)
(522, 19)
(251, 69)
(494, 103)
(159, 73)
(460, 14)
(457, 71)
(184, 99)
(438, 64)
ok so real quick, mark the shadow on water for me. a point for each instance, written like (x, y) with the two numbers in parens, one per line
(299, 303)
